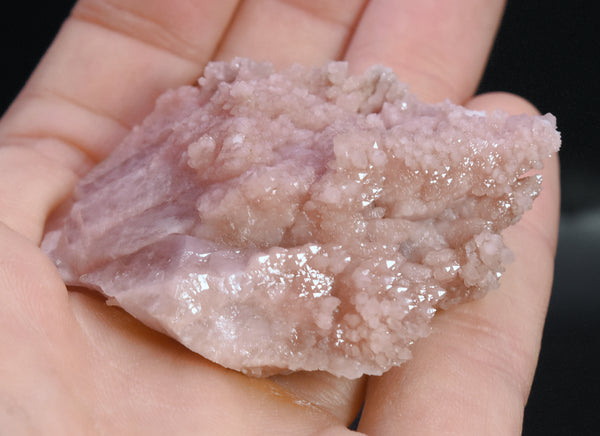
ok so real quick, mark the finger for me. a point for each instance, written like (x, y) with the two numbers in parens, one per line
(35, 328)
(291, 31)
(438, 47)
(472, 375)
(100, 76)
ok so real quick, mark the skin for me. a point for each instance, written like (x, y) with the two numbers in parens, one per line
(73, 365)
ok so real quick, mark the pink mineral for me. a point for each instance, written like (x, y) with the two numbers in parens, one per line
(303, 220)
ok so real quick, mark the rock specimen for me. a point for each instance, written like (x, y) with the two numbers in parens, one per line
(303, 220)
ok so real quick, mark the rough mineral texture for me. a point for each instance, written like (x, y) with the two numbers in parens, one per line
(303, 220)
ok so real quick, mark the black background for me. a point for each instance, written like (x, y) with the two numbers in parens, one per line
(548, 52)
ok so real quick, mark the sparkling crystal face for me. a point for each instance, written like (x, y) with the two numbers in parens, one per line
(300, 220)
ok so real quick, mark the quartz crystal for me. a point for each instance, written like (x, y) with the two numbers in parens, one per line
(300, 220)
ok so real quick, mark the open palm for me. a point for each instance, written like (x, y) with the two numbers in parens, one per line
(72, 365)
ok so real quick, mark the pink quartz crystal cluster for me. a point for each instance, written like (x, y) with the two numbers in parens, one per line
(302, 220)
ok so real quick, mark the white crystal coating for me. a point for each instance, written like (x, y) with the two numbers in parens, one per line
(302, 220)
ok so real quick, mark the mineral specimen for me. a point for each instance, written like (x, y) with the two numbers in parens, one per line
(302, 220)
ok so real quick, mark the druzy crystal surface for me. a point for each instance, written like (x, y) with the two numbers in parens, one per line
(302, 220)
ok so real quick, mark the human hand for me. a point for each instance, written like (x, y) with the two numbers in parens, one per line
(77, 366)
